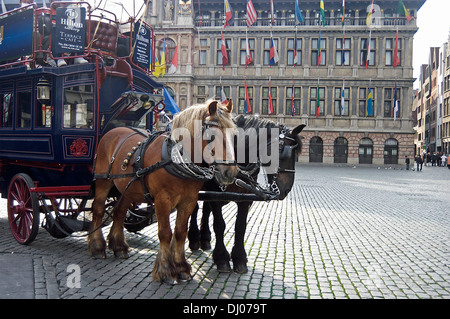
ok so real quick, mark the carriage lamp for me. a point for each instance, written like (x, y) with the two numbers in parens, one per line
(43, 96)
(145, 101)
(43, 90)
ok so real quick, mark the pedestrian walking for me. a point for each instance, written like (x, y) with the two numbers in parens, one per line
(419, 163)
(407, 162)
(444, 160)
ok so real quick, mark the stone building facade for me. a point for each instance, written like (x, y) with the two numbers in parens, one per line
(348, 135)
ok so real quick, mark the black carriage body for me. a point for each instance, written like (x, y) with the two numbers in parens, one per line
(54, 141)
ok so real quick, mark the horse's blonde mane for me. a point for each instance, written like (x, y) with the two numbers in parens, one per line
(186, 118)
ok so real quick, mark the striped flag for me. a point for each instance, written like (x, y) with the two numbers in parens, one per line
(403, 11)
(247, 106)
(229, 20)
(318, 100)
(273, 53)
(293, 103)
(223, 48)
(395, 109)
(369, 16)
(322, 12)
(251, 13)
(248, 53)
(270, 98)
(369, 109)
(343, 12)
(296, 60)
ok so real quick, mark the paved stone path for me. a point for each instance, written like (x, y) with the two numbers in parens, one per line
(342, 232)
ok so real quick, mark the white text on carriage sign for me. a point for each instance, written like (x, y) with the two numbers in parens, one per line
(231, 309)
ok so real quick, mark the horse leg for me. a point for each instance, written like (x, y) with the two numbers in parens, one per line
(238, 254)
(221, 256)
(205, 232)
(182, 267)
(163, 267)
(96, 241)
(116, 237)
(194, 233)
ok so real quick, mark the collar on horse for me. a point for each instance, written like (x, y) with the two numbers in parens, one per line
(179, 168)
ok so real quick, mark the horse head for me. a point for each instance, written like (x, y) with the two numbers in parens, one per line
(205, 133)
(290, 144)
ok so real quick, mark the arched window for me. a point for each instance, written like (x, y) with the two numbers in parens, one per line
(170, 50)
(365, 151)
(391, 151)
(316, 150)
(340, 150)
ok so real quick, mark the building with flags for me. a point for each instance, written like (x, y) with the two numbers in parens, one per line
(330, 67)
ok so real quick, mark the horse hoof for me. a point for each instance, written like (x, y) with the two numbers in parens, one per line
(183, 277)
(240, 268)
(121, 254)
(205, 245)
(194, 245)
(170, 281)
(100, 255)
(223, 267)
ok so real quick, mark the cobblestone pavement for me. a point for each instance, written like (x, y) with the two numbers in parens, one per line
(342, 232)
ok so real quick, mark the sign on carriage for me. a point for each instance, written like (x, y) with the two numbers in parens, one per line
(142, 44)
(70, 33)
(16, 35)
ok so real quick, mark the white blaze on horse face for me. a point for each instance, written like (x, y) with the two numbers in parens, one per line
(217, 143)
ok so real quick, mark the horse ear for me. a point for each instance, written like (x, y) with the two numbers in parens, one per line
(298, 129)
(230, 105)
(212, 108)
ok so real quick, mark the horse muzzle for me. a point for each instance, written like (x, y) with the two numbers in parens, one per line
(225, 172)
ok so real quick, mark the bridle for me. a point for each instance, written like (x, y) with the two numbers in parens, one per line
(207, 125)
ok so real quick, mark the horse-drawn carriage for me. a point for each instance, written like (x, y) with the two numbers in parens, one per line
(73, 140)
(52, 118)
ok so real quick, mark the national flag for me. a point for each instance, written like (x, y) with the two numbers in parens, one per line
(272, 17)
(298, 13)
(223, 48)
(247, 106)
(270, 98)
(248, 53)
(396, 61)
(319, 58)
(369, 109)
(369, 16)
(223, 96)
(318, 101)
(160, 66)
(368, 49)
(273, 53)
(343, 98)
(3, 7)
(251, 13)
(293, 102)
(322, 12)
(403, 11)
(343, 12)
(229, 19)
(395, 108)
(174, 66)
(295, 49)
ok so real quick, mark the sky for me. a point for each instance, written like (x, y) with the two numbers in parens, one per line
(433, 20)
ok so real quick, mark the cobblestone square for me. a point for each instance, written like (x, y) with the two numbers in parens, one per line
(342, 232)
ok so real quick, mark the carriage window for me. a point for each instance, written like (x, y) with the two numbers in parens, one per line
(78, 107)
(6, 109)
(24, 109)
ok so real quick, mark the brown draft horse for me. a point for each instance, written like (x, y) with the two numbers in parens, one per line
(168, 191)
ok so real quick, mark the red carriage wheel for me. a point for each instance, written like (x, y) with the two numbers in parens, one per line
(23, 209)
